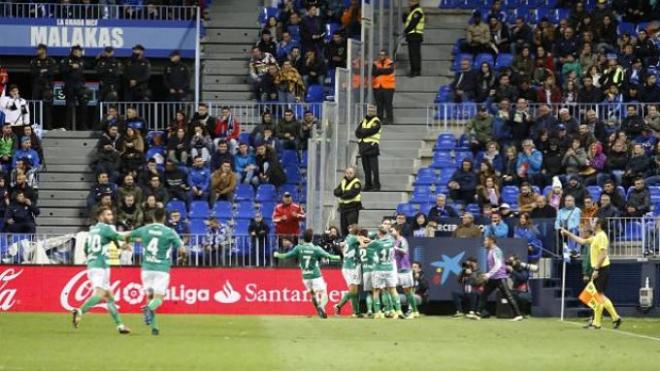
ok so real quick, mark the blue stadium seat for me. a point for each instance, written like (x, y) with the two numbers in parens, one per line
(547, 190)
(626, 27)
(641, 26)
(444, 94)
(541, 12)
(422, 197)
(473, 208)
(292, 175)
(199, 210)
(330, 30)
(504, 60)
(303, 159)
(177, 205)
(315, 94)
(510, 194)
(266, 209)
(536, 189)
(424, 179)
(153, 134)
(266, 193)
(241, 228)
(291, 188)
(267, 12)
(197, 226)
(244, 138)
(481, 59)
(462, 155)
(442, 159)
(156, 152)
(443, 179)
(406, 208)
(223, 210)
(632, 231)
(243, 192)
(445, 142)
(245, 210)
(425, 208)
(595, 192)
(289, 156)
(558, 14)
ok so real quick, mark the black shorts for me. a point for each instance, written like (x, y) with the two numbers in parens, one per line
(603, 277)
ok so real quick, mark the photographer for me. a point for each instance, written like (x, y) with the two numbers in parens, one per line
(15, 108)
(470, 289)
(519, 275)
(421, 284)
(331, 241)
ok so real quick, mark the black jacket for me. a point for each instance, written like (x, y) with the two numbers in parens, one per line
(633, 126)
(72, 72)
(546, 212)
(138, 69)
(177, 76)
(43, 71)
(275, 173)
(176, 180)
(468, 82)
(21, 213)
(435, 214)
(610, 211)
(108, 70)
(640, 200)
(591, 95)
(368, 149)
(347, 195)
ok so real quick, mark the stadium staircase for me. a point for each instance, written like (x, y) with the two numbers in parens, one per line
(407, 144)
(231, 33)
(65, 182)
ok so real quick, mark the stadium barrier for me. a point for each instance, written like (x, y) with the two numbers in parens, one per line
(97, 11)
(448, 116)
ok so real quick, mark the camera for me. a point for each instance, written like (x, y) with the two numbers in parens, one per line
(515, 263)
(466, 266)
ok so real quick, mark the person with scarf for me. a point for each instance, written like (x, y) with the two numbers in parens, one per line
(226, 128)
(556, 194)
(290, 84)
(129, 214)
(595, 163)
(491, 155)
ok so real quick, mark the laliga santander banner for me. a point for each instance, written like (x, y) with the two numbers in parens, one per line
(192, 290)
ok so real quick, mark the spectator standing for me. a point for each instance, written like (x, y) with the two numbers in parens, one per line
(223, 184)
(199, 180)
(20, 215)
(137, 75)
(287, 216)
(349, 199)
(312, 30)
(176, 78)
(108, 70)
(477, 36)
(414, 31)
(75, 90)
(368, 133)
(15, 110)
(258, 230)
(42, 71)
(384, 84)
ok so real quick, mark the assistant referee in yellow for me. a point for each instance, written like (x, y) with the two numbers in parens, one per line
(349, 198)
(414, 32)
(600, 263)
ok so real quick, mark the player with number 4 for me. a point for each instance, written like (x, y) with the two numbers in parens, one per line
(159, 241)
(100, 236)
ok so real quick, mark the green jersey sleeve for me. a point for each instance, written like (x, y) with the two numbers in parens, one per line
(320, 253)
(291, 253)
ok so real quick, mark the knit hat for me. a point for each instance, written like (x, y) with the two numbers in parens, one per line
(556, 183)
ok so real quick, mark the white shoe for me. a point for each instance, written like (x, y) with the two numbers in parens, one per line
(473, 316)
(458, 314)
(518, 318)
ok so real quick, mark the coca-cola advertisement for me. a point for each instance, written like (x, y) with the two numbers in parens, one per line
(192, 290)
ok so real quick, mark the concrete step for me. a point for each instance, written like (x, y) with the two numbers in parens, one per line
(86, 143)
(58, 230)
(224, 56)
(53, 160)
(429, 84)
(438, 52)
(402, 132)
(382, 196)
(70, 134)
(73, 152)
(61, 221)
(226, 96)
(67, 168)
(372, 218)
(393, 163)
(62, 195)
(62, 203)
(221, 47)
(227, 65)
(429, 65)
(236, 20)
(408, 120)
(216, 79)
(387, 150)
(65, 177)
(65, 213)
(435, 36)
(413, 100)
(228, 87)
(410, 112)
(233, 36)
(65, 185)
(224, 10)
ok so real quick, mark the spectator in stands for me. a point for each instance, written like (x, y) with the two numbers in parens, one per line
(130, 188)
(156, 189)
(419, 225)
(477, 36)
(491, 155)
(401, 221)
(137, 75)
(467, 229)
(606, 210)
(287, 217)
(75, 90)
(639, 200)
(132, 151)
(274, 27)
(510, 171)
(523, 63)
(351, 19)
(176, 78)
(587, 58)
(441, 209)
(223, 184)
(529, 163)
(284, 47)
(479, 129)
(129, 214)
(577, 14)
(35, 142)
(181, 227)
(555, 197)
(178, 147)
(589, 93)
(497, 227)
(112, 118)
(521, 121)
(269, 168)
(201, 143)
(108, 70)
(575, 158)
(149, 207)
(296, 59)
(107, 158)
(384, 84)
(505, 90)
(526, 198)
(312, 30)
(585, 136)
(613, 73)
(179, 122)
(20, 215)
(575, 189)
(291, 87)
(463, 183)
(633, 124)
(652, 118)
(307, 127)
(269, 88)
(287, 130)
(485, 83)
(259, 63)
(526, 230)
(337, 52)
(567, 45)
(569, 217)
(26, 153)
(151, 169)
(552, 161)
(42, 71)
(313, 71)
(638, 166)
(23, 167)
(595, 163)
(245, 165)
(589, 211)
(542, 210)
(650, 92)
(500, 38)
(221, 155)
(258, 230)
(199, 180)
(203, 116)
(464, 85)
(654, 178)
(541, 73)
(549, 93)
(267, 43)
(176, 182)
(635, 73)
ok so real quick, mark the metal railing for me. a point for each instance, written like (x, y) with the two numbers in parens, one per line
(200, 251)
(447, 116)
(97, 11)
(36, 108)
(158, 115)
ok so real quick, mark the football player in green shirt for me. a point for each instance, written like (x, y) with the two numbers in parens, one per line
(309, 256)
(100, 236)
(351, 271)
(158, 241)
(384, 275)
(367, 258)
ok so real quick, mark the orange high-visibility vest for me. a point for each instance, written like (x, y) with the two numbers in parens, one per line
(387, 81)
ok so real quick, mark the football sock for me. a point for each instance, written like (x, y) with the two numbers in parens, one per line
(387, 301)
(154, 304)
(376, 303)
(598, 315)
(90, 303)
(114, 313)
(347, 295)
(397, 302)
(355, 303)
(324, 300)
(370, 303)
(314, 301)
(609, 307)
(412, 302)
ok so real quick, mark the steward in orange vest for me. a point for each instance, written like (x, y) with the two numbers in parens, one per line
(384, 84)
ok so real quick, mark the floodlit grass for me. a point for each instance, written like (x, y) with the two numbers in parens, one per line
(48, 342)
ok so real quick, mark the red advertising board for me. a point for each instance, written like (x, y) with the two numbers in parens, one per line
(192, 290)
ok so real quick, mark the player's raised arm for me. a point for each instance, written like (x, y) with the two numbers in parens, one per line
(324, 254)
(291, 253)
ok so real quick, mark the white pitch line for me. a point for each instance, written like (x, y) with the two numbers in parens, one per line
(622, 332)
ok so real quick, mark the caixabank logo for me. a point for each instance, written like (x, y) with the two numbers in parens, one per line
(446, 266)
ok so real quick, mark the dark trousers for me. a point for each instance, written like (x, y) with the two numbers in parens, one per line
(76, 107)
(20, 228)
(460, 195)
(498, 284)
(348, 217)
(44, 92)
(371, 173)
(415, 52)
(384, 98)
(460, 296)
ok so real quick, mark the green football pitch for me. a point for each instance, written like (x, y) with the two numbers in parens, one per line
(48, 342)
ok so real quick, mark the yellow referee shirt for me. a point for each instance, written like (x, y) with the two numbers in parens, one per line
(599, 242)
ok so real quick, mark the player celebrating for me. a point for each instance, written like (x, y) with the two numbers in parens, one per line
(158, 241)
(96, 248)
(309, 256)
(368, 259)
(351, 271)
(384, 276)
(405, 276)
